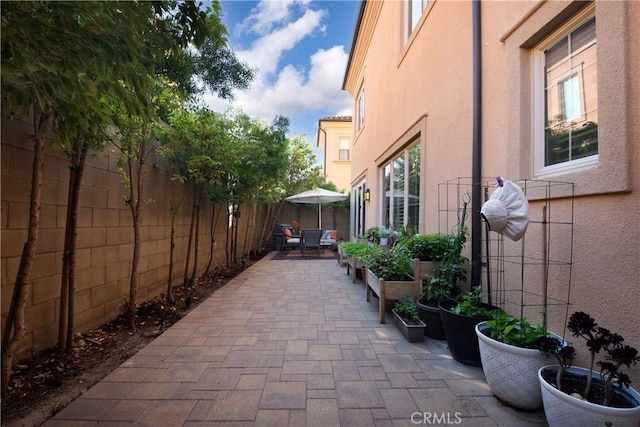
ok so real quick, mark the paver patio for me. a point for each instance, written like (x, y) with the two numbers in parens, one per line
(291, 342)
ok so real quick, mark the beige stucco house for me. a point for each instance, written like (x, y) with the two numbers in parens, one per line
(533, 91)
(334, 139)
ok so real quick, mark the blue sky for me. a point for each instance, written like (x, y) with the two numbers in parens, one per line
(300, 49)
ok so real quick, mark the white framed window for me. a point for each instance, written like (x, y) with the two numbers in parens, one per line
(360, 110)
(343, 149)
(414, 10)
(565, 98)
(401, 189)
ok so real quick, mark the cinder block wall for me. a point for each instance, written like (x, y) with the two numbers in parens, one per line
(105, 235)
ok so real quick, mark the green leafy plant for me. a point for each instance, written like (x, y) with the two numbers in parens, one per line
(469, 304)
(444, 283)
(426, 247)
(388, 264)
(407, 310)
(514, 331)
(373, 235)
(353, 249)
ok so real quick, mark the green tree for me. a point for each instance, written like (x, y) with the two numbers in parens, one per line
(198, 148)
(64, 61)
(69, 63)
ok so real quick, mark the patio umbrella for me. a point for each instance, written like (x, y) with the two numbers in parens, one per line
(317, 196)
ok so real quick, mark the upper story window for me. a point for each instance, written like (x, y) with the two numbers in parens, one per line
(360, 110)
(343, 150)
(414, 12)
(566, 98)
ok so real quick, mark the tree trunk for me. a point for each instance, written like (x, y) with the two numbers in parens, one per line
(135, 203)
(172, 246)
(15, 319)
(196, 251)
(212, 237)
(236, 218)
(185, 280)
(77, 170)
(250, 250)
(228, 241)
(173, 211)
(245, 240)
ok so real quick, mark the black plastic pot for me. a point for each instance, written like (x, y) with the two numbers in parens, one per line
(461, 335)
(430, 315)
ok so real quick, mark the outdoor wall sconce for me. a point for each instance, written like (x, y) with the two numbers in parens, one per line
(367, 195)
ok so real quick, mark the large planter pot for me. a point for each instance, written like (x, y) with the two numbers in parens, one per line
(511, 371)
(461, 334)
(413, 333)
(563, 410)
(430, 315)
(389, 290)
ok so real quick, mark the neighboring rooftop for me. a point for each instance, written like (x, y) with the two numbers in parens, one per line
(336, 119)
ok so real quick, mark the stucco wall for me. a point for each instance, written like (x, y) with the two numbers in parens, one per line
(105, 236)
(423, 87)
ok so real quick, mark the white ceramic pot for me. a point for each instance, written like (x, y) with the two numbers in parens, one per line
(563, 410)
(511, 371)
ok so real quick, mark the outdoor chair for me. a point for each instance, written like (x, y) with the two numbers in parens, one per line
(292, 242)
(329, 239)
(311, 239)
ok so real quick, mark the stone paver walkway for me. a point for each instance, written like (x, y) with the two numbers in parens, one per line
(290, 343)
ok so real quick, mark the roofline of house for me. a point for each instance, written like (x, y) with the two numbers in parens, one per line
(335, 119)
(353, 42)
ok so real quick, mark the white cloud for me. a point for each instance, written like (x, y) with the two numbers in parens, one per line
(294, 91)
(311, 86)
(267, 14)
(265, 52)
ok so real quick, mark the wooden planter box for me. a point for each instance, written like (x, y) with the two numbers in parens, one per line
(413, 333)
(353, 265)
(389, 290)
(342, 258)
(422, 269)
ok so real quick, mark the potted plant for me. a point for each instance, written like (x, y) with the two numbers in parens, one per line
(443, 285)
(574, 396)
(428, 250)
(510, 356)
(407, 320)
(389, 276)
(373, 235)
(383, 235)
(459, 319)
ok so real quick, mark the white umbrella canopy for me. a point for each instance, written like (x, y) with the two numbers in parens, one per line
(317, 196)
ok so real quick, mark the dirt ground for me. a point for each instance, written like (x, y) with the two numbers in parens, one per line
(43, 385)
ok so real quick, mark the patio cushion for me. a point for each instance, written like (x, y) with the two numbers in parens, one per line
(291, 241)
(328, 237)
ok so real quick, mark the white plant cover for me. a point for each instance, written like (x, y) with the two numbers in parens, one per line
(507, 211)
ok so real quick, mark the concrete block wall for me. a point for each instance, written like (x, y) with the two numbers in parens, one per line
(104, 236)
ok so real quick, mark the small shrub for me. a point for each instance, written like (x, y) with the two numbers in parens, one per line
(407, 310)
(388, 264)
